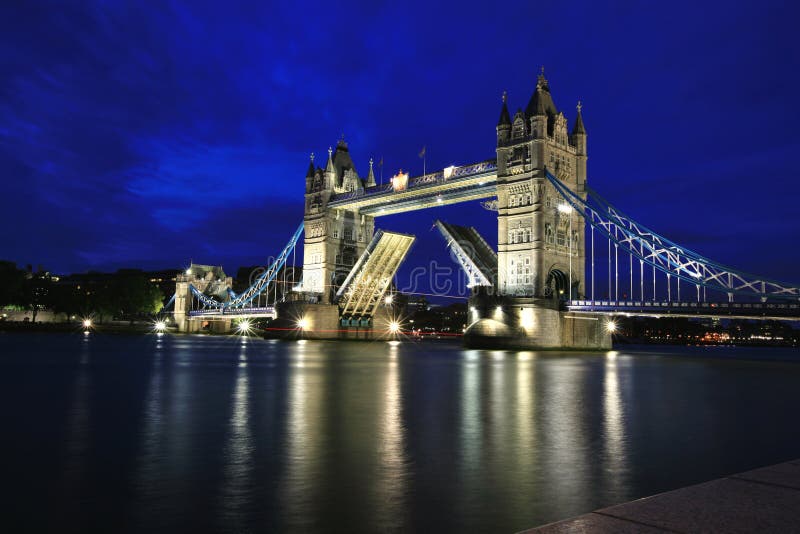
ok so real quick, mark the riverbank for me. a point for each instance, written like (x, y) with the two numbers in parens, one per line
(761, 500)
(20, 326)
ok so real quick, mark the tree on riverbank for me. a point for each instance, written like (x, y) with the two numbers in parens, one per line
(11, 281)
(136, 295)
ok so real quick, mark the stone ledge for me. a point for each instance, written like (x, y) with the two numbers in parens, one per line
(761, 500)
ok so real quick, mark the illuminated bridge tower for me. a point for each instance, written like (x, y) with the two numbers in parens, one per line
(541, 244)
(536, 232)
(334, 238)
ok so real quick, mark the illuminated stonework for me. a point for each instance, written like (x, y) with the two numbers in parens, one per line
(334, 238)
(535, 238)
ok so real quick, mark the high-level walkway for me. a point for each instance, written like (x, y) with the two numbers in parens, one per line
(448, 186)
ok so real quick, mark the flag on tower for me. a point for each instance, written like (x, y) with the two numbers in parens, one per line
(422, 152)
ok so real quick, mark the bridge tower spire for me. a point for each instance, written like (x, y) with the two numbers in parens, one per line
(578, 140)
(371, 176)
(504, 122)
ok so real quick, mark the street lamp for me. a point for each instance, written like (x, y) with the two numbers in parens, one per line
(566, 209)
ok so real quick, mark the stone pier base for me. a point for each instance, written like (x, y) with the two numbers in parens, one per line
(527, 323)
(301, 320)
(194, 325)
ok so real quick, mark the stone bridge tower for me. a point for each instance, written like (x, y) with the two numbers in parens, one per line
(334, 239)
(536, 234)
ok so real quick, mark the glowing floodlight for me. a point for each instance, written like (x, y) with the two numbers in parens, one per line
(244, 327)
(303, 323)
(189, 272)
(394, 327)
(160, 326)
(400, 181)
(611, 326)
(87, 323)
(389, 299)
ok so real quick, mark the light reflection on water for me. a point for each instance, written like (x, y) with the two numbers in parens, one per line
(159, 433)
(236, 494)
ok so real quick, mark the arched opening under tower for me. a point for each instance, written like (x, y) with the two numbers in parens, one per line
(557, 284)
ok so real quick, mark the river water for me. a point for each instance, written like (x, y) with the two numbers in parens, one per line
(194, 433)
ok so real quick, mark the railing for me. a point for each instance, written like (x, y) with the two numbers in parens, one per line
(654, 250)
(233, 311)
(712, 308)
(437, 177)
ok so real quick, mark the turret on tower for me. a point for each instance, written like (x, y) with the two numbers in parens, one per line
(371, 176)
(504, 123)
(578, 140)
(541, 111)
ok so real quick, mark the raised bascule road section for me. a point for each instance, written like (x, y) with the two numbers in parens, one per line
(567, 260)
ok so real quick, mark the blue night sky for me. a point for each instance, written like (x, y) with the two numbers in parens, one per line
(146, 134)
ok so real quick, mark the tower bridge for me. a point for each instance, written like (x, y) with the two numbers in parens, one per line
(566, 259)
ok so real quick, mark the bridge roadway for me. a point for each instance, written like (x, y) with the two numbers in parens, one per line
(448, 186)
(729, 310)
(229, 313)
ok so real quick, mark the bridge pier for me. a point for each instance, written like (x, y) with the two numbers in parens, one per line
(195, 325)
(303, 320)
(532, 323)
